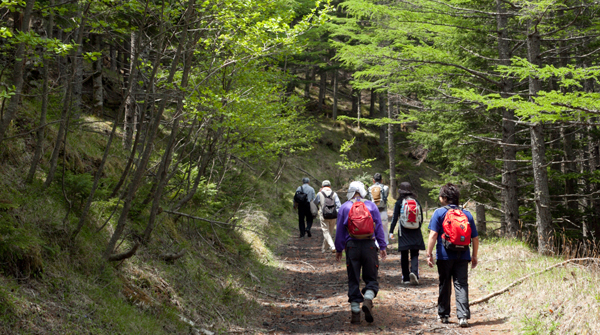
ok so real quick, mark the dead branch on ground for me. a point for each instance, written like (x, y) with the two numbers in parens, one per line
(518, 281)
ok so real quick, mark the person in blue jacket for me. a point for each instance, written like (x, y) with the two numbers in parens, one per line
(361, 254)
(452, 265)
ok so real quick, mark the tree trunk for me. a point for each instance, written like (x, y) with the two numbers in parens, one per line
(568, 166)
(131, 110)
(163, 171)
(322, 88)
(113, 59)
(334, 112)
(391, 151)
(358, 106)
(372, 106)
(98, 101)
(538, 154)
(67, 105)
(141, 170)
(382, 129)
(510, 191)
(307, 83)
(40, 133)
(18, 75)
(481, 221)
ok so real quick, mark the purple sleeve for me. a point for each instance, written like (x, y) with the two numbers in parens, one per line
(379, 234)
(341, 233)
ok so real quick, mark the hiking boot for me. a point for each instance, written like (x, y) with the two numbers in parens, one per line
(355, 318)
(443, 318)
(463, 322)
(368, 308)
(413, 279)
(405, 282)
(301, 236)
(308, 233)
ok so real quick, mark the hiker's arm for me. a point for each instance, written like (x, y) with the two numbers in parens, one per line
(475, 241)
(433, 235)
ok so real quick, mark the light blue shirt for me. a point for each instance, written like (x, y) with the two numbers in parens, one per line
(310, 192)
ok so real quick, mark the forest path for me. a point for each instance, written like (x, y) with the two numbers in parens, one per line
(313, 299)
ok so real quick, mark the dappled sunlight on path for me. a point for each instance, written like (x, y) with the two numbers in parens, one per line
(312, 298)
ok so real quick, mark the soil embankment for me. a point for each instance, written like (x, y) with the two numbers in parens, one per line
(313, 298)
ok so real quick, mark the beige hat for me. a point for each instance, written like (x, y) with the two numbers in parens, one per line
(326, 183)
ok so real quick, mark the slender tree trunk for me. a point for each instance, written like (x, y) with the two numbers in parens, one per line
(334, 112)
(481, 220)
(382, 129)
(163, 171)
(40, 133)
(391, 151)
(372, 106)
(568, 166)
(131, 109)
(98, 101)
(538, 155)
(77, 90)
(113, 59)
(100, 169)
(18, 73)
(358, 106)
(322, 88)
(141, 170)
(510, 191)
(307, 83)
(67, 105)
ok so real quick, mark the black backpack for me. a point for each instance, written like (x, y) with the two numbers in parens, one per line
(300, 197)
(329, 209)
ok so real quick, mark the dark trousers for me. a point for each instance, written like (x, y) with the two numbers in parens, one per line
(304, 212)
(361, 255)
(414, 263)
(455, 271)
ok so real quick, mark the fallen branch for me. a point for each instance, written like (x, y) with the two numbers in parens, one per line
(172, 256)
(518, 281)
(124, 255)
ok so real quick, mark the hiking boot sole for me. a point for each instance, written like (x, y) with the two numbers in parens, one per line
(367, 308)
(413, 279)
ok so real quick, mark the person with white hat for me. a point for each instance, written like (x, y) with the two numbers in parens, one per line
(329, 204)
(358, 229)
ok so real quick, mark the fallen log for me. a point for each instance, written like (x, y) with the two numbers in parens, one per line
(520, 280)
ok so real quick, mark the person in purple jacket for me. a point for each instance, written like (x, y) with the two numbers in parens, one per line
(360, 254)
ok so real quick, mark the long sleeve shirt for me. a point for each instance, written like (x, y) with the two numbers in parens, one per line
(342, 236)
(319, 199)
(310, 192)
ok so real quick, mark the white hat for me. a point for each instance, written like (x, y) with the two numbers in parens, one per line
(326, 183)
(356, 186)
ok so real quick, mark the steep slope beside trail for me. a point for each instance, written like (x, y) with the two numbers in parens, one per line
(313, 298)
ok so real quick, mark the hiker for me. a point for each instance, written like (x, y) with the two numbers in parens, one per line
(305, 194)
(329, 205)
(410, 239)
(358, 227)
(378, 193)
(452, 229)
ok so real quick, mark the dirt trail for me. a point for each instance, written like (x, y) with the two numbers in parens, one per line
(313, 298)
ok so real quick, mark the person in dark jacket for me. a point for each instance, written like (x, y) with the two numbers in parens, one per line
(409, 240)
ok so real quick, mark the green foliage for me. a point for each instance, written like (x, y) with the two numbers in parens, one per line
(346, 163)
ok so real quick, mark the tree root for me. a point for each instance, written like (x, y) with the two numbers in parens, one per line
(518, 281)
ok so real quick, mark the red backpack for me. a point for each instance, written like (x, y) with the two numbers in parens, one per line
(457, 230)
(360, 221)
